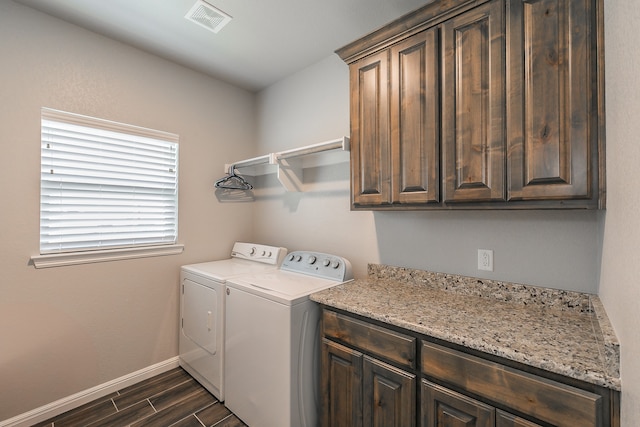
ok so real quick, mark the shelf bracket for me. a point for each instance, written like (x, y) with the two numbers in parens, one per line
(290, 176)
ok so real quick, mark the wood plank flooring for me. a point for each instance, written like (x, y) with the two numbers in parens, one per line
(169, 399)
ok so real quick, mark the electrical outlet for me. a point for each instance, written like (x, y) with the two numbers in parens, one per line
(485, 259)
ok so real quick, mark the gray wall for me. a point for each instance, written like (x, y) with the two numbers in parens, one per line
(595, 252)
(558, 249)
(620, 281)
(564, 249)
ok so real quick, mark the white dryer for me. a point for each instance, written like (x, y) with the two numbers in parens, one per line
(272, 340)
(202, 309)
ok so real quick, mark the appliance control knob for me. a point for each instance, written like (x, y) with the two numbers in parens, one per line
(298, 258)
(312, 259)
(252, 251)
(326, 262)
(264, 253)
(292, 257)
(269, 254)
(335, 264)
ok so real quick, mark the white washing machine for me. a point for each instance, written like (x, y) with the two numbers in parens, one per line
(202, 309)
(272, 340)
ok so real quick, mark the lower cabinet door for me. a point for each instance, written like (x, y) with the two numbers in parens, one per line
(442, 407)
(341, 386)
(389, 395)
(505, 419)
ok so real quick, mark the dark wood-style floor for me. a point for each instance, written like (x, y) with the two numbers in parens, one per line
(169, 399)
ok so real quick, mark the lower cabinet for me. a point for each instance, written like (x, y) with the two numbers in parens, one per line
(368, 380)
(372, 375)
(540, 398)
(359, 390)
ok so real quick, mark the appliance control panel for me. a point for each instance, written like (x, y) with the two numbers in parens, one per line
(272, 255)
(318, 264)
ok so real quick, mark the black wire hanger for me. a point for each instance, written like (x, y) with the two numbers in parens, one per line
(233, 181)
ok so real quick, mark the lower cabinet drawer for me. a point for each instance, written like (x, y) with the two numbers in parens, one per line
(376, 340)
(541, 398)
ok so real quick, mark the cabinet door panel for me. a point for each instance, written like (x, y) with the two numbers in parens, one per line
(442, 407)
(505, 419)
(341, 386)
(389, 395)
(550, 99)
(370, 143)
(473, 105)
(415, 118)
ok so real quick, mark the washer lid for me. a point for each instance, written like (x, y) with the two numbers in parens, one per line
(224, 269)
(282, 286)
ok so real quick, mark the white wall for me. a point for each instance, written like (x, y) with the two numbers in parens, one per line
(559, 249)
(67, 329)
(620, 281)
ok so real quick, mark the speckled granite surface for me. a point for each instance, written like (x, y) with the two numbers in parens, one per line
(559, 331)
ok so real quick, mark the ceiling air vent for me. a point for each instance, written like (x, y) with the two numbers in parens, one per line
(207, 16)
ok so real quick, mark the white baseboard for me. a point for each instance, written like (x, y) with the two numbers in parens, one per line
(70, 402)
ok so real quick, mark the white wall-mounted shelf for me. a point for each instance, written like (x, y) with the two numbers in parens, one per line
(288, 164)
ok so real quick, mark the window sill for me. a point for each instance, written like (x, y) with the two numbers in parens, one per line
(74, 258)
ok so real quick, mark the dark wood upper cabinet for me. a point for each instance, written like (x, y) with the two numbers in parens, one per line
(415, 118)
(370, 131)
(473, 92)
(480, 104)
(552, 99)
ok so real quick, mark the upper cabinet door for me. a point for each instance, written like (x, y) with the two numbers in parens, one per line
(370, 134)
(552, 105)
(473, 105)
(415, 118)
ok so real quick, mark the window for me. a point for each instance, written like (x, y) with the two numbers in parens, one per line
(105, 186)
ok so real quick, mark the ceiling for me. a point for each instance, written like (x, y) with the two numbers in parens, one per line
(265, 41)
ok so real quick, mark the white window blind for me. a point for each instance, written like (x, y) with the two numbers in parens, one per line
(105, 185)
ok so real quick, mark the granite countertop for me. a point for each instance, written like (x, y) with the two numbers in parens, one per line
(564, 332)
